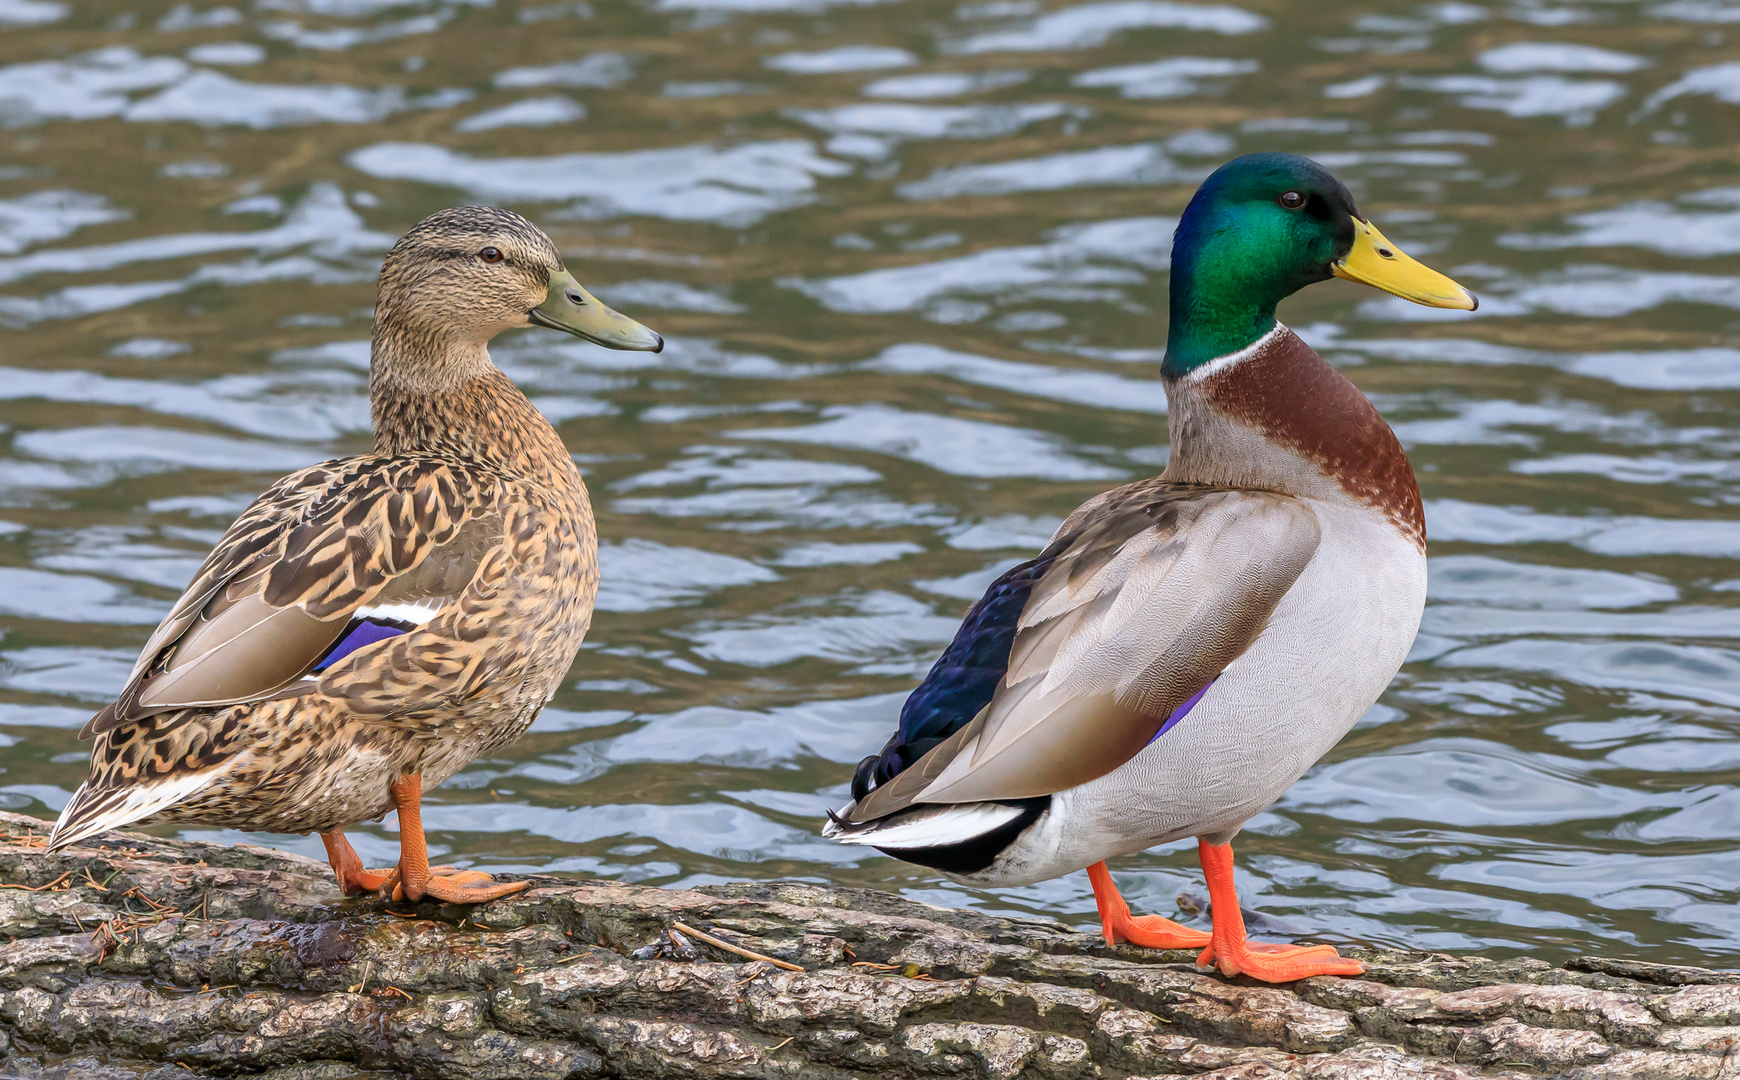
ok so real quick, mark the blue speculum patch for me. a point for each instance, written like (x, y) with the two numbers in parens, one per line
(364, 631)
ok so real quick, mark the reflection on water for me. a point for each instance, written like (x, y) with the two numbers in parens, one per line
(911, 259)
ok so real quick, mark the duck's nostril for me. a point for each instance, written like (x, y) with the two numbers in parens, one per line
(1386, 253)
(576, 299)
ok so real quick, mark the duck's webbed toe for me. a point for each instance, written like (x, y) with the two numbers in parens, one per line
(461, 887)
(1157, 932)
(415, 878)
(347, 867)
(358, 881)
(1147, 931)
(1235, 954)
(1277, 963)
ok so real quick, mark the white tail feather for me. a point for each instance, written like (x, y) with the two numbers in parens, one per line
(948, 825)
(88, 814)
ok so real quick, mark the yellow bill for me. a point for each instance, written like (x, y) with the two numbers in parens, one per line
(1376, 262)
(576, 311)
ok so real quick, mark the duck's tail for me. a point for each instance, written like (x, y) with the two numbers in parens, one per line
(960, 838)
(94, 810)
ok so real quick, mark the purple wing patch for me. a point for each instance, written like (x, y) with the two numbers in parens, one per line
(366, 631)
(1180, 712)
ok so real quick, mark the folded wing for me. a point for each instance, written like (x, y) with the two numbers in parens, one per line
(1148, 593)
(330, 560)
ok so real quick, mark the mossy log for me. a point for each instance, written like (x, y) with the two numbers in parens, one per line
(135, 957)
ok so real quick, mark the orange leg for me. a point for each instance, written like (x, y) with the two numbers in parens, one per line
(352, 878)
(1237, 956)
(416, 879)
(1149, 931)
(348, 868)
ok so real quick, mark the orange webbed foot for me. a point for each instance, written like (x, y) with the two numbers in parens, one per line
(1234, 954)
(1155, 932)
(464, 887)
(1276, 963)
(1147, 931)
(391, 876)
(368, 881)
(348, 869)
(415, 878)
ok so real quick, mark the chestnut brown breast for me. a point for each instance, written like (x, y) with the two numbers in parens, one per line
(1292, 396)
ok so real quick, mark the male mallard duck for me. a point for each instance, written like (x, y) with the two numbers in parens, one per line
(371, 624)
(1187, 646)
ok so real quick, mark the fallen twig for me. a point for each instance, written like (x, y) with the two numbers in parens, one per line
(40, 888)
(747, 954)
(752, 972)
(907, 970)
(138, 893)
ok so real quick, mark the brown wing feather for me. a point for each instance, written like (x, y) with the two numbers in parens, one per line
(281, 584)
(236, 651)
(408, 679)
(1154, 590)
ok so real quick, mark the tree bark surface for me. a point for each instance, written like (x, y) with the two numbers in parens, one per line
(135, 957)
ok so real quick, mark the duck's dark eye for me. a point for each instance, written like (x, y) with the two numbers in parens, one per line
(490, 255)
(1292, 200)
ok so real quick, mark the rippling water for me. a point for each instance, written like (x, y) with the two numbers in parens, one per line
(911, 258)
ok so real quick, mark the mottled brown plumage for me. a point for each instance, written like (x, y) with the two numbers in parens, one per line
(462, 551)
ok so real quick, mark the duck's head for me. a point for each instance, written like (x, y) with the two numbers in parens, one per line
(462, 276)
(1258, 230)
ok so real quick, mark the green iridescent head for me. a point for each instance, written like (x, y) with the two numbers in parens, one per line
(1261, 228)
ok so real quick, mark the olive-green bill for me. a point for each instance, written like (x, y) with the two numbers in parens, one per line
(572, 309)
(1376, 262)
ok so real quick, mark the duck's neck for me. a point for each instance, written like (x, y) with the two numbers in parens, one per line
(1226, 280)
(422, 359)
(1211, 318)
(428, 395)
(1275, 416)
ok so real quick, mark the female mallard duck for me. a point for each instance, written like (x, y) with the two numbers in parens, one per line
(1185, 647)
(371, 624)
